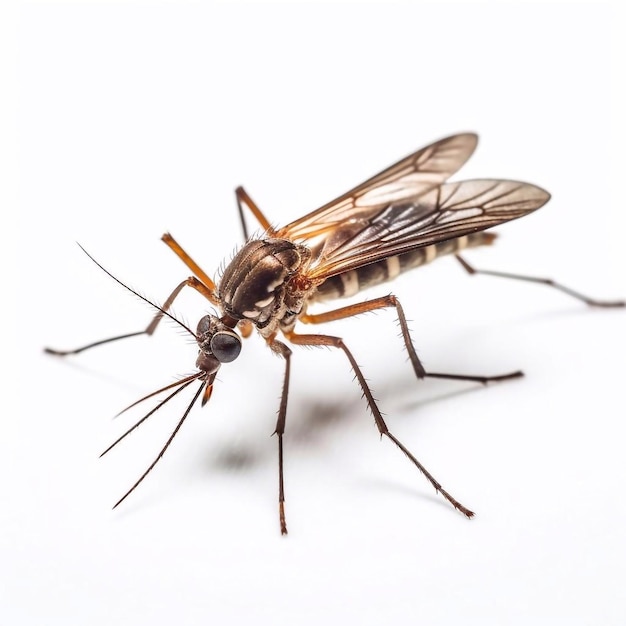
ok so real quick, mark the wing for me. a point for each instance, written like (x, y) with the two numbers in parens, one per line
(446, 212)
(411, 177)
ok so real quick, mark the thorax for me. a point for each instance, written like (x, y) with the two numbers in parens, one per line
(266, 284)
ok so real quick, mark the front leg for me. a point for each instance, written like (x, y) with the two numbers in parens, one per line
(281, 349)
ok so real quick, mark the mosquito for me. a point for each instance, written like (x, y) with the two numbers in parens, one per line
(402, 218)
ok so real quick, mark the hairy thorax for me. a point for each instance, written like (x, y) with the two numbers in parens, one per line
(266, 284)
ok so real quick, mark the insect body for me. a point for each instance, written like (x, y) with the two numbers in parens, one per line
(400, 219)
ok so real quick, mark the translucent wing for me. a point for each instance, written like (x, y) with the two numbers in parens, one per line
(411, 177)
(446, 212)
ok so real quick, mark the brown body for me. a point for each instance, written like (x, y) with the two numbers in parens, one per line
(266, 283)
(400, 219)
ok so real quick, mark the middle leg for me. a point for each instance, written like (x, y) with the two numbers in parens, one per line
(392, 301)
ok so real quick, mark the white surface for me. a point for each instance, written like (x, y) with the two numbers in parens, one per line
(135, 119)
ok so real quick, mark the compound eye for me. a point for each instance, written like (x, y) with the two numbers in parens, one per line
(225, 346)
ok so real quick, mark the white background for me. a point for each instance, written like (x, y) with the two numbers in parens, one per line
(137, 118)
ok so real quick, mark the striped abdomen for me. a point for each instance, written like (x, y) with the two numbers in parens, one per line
(349, 283)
